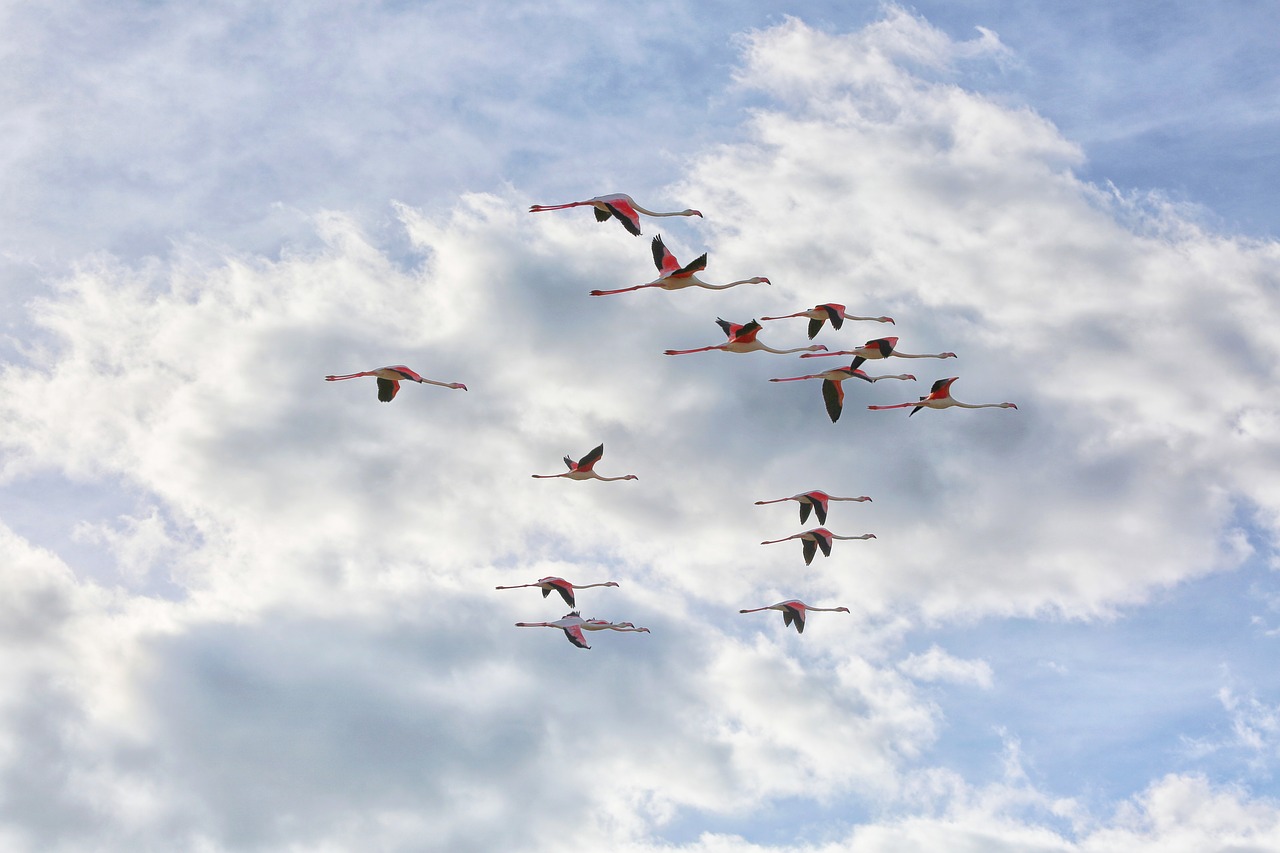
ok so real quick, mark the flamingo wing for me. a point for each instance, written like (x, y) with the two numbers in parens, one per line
(565, 590)
(833, 394)
(570, 464)
(805, 508)
(824, 542)
(624, 213)
(586, 462)
(574, 635)
(698, 264)
(815, 326)
(819, 507)
(797, 616)
(662, 257)
(857, 362)
(746, 333)
(885, 345)
(729, 328)
(387, 389)
(810, 548)
(835, 313)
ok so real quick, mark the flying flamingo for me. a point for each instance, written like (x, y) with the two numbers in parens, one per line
(815, 501)
(605, 625)
(939, 397)
(560, 585)
(794, 611)
(812, 540)
(622, 206)
(584, 469)
(570, 623)
(742, 338)
(881, 348)
(832, 311)
(675, 277)
(833, 385)
(389, 379)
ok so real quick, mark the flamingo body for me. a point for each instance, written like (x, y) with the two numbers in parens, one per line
(742, 338)
(881, 348)
(828, 311)
(584, 468)
(833, 385)
(559, 585)
(793, 612)
(939, 397)
(389, 379)
(812, 540)
(618, 206)
(815, 501)
(673, 276)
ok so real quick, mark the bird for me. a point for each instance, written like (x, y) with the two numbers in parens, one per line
(389, 379)
(814, 501)
(939, 397)
(812, 540)
(560, 585)
(820, 314)
(881, 348)
(618, 205)
(794, 611)
(833, 385)
(605, 625)
(675, 277)
(742, 338)
(570, 623)
(584, 469)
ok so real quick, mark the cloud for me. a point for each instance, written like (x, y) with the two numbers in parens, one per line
(329, 664)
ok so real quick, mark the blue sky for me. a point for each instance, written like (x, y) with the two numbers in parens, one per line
(249, 610)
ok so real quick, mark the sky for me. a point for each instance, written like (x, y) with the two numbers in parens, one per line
(248, 610)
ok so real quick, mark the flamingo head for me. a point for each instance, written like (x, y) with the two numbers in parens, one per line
(886, 320)
(631, 477)
(1008, 406)
(865, 498)
(761, 278)
(611, 583)
(692, 212)
(457, 386)
(817, 348)
(841, 610)
(948, 355)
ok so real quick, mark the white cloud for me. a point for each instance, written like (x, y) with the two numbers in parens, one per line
(334, 668)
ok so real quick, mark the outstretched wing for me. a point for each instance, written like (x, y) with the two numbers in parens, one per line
(835, 313)
(815, 326)
(625, 214)
(746, 333)
(586, 462)
(824, 542)
(662, 257)
(566, 592)
(797, 616)
(387, 389)
(833, 394)
(805, 509)
(570, 464)
(698, 264)
(575, 636)
(810, 548)
(727, 327)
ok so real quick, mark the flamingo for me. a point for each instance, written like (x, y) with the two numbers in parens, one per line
(570, 623)
(812, 540)
(675, 277)
(833, 385)
(605, 625)
(742, 338)
(794, 611)
(939, 397)
(881, 348)
(815, 501)
(618, 205)
(832, 311)
(389, 379)
(560, 585)
(584, 469)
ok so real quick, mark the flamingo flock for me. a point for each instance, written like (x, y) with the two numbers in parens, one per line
(739, 338)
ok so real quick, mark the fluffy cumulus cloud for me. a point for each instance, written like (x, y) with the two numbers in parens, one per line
(266, 616)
